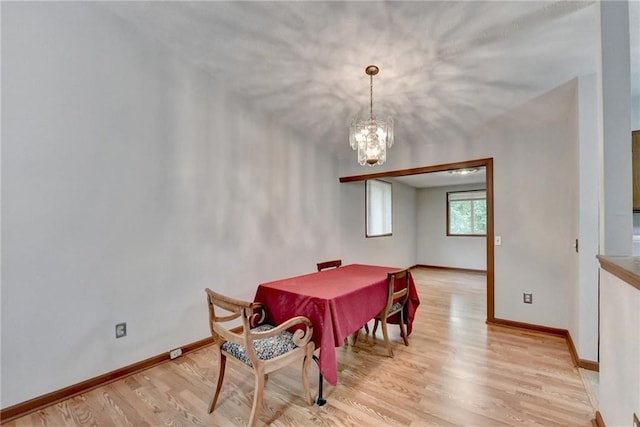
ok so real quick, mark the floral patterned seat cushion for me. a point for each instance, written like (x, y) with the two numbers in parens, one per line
(265, 349)
(394, 307)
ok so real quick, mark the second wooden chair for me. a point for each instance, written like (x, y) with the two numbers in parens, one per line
(398, 294)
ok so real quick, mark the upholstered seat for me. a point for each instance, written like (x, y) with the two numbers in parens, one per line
(259, 347)
(265, 349)
(395, 307)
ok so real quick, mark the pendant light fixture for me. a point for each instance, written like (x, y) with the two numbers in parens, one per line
(371, 138)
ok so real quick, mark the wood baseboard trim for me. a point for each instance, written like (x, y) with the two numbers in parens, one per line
(32, 405)
(589, 365)
(572, 349)
(468, 270)
(599, 421)
(581, 363)
(528, 326)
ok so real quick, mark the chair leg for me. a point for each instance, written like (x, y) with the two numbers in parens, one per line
(354, 338)
(257, 398)
(403, 330)
(386, 336)
(375, 327)
(306, 363)
(222, 363)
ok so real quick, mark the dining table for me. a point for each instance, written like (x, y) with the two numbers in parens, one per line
(338, 302)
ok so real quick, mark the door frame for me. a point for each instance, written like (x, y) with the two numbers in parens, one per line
(487, 163)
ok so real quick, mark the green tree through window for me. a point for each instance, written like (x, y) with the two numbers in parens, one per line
(467, 213)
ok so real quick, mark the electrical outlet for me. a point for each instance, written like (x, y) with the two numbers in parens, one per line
(527, 298)
(121, 330)
(175, 353)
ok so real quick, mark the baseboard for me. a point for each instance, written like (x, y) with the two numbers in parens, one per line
(528, 326)
(581, 363)
(32, 405)
(468, 270)
(599, 421)
(589, 365)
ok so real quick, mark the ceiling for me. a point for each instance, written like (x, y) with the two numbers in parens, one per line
(445, 67)
(442, 179)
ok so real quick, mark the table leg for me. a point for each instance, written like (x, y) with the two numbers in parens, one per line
(319, 401)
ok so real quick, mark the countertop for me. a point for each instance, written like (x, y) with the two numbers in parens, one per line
(626, 268)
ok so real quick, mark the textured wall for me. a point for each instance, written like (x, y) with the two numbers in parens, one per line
(619, 387)
(398, 250)
(434, 246)
(535, 178)
(130, 182)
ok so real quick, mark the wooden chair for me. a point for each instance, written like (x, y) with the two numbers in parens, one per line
(396, 300)
(329, 264)
(335, 264)
(257, 346)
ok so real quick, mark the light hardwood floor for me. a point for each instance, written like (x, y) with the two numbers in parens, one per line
(456, 371)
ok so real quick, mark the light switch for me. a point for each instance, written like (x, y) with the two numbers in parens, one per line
(498, 240)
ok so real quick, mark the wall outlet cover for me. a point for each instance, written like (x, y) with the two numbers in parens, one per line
(121, 330)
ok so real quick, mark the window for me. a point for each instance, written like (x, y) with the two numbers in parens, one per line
(467, 213)
(378, 206)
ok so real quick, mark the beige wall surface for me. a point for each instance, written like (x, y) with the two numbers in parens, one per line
(619, 387)
(130, 182)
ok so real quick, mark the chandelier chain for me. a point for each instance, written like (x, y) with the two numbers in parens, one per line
(371, 97)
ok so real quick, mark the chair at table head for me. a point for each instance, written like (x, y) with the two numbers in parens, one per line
(256, 346)
(397, 296)
(334, 264)
(329, 264)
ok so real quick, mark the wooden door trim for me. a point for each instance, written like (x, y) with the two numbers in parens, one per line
(488, 164)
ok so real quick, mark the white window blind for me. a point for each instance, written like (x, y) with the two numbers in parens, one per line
(467, 195)
(379, 208)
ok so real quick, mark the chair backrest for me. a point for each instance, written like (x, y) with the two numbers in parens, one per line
(329, 264)
(398, 283)
(224, 326)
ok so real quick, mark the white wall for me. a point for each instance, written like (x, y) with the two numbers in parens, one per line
(584, 327)
(619, 386)
(434, 246)
(614, 119)
(634, 39)
(398, 250)
(130, 182)
(535, 177)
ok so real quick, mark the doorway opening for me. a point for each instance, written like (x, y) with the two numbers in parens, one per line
(487, 163)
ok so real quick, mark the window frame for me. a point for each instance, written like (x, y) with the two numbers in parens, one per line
(448, 208)
(366, 209)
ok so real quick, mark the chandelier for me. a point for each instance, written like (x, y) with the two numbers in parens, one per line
(371, 137)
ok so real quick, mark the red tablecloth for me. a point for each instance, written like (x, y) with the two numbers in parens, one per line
(338, 302)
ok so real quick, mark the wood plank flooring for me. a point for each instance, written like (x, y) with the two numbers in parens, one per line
(457, 371)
